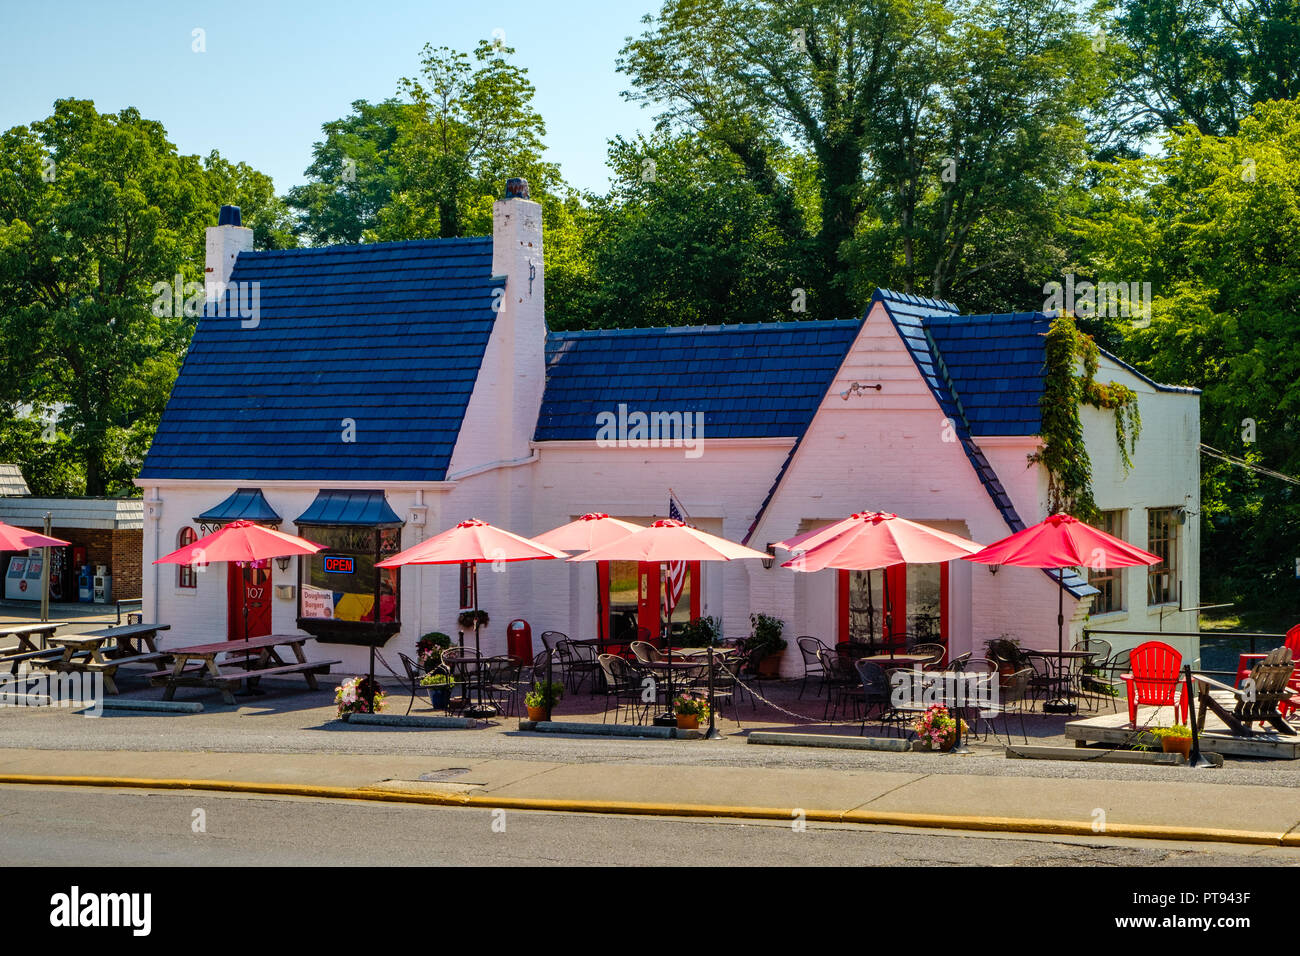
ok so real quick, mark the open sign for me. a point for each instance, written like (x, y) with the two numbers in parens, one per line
(339, 565)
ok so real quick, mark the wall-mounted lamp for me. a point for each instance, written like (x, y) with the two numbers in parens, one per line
(771, 559)
(993, 568)
(859, 387)
(282, 563)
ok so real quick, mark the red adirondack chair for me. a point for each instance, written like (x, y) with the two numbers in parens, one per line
(1154, 679)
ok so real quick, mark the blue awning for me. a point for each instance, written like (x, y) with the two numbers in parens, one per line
(367, 508)
(246, 504)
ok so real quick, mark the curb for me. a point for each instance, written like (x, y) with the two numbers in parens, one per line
(864, 817)
(412, 720)
(608, 730)
(163, 706)
(832, 741)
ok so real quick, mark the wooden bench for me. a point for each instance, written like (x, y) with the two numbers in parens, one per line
(309, 668)
(35, 656)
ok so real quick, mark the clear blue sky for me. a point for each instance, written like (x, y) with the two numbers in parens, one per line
(275, 70)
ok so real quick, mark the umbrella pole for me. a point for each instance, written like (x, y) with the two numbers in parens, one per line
(667, 718)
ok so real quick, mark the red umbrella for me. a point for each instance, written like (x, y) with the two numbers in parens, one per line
(594, 530)
(20, 539)
(1063, 541)
(241, 541)
(671, 540)
(469, 543)
(870, 540)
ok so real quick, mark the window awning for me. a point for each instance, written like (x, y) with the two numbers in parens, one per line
(367, 508)
(245, 504)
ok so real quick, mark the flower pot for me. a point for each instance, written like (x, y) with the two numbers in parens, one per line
(688, 721)
(439, 695)
(770, 666)
(538, 713)
(1177, 745)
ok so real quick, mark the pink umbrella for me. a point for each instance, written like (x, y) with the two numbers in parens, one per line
(671, 540)
(469, 543)
(872, 540)
(1063, 541)
(593, 530)
(241, 541)
(20, 539)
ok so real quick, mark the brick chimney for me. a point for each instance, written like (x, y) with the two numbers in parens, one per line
(225, 241)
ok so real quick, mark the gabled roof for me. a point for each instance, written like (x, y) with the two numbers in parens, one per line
(12, 481)
(912, 315)
(750, 381)
(387, 335)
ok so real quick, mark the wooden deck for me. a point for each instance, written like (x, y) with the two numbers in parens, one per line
(1114, 729)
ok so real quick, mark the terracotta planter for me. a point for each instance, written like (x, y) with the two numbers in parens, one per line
(770, 666)
(1177, 745)
(537, 713)
(688, 721)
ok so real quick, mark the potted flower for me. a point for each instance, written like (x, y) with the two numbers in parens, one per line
(439, 685)
(429, 649)
(937, 728)
(1174, 740)
(466, 619)
(690, 710)
(765, 644)
(542, 698)
(354, 696)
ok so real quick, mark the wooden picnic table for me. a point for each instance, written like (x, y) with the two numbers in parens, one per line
(25, 634)
(242, 661)
(86, 654)
(131, 640)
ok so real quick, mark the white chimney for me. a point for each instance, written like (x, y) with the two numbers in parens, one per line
(225, 241)
(521, 322)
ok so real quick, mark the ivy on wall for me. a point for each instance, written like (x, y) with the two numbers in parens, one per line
(1064, 455)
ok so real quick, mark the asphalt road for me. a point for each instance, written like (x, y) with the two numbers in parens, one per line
(69, 826)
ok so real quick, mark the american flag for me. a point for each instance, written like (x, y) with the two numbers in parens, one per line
(675, 579)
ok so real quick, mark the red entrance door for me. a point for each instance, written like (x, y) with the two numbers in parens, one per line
(248, 586)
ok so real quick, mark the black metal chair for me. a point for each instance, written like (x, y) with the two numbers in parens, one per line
(580, 663)
(877, 693)
(413, 674)
(841, 682)
(810, 648)
(501, 681)
(1013, 692)
(934, 651)
(622, 683)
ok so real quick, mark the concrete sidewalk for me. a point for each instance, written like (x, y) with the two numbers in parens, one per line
(1125, 808)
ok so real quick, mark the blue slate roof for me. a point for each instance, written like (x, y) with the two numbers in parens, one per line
(336, 507)
(245, 504)
(389, 335)
(750, 381)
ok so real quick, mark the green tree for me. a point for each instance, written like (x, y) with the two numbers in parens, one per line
(1213, 223)
(1204, 62)
(939, 134)
(471, 126)
(94, 210)
(238, 184)
(352, 176)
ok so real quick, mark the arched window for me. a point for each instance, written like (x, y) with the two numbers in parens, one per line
(185, 573)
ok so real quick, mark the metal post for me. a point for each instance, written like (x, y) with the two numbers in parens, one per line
(713, 730)
(547, 696)
(45, 575)
(1194, 759)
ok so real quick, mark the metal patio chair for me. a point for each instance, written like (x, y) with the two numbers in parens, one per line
(809, 648)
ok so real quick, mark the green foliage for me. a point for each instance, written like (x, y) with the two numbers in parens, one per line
(1204, 62)
(766, 637)
(544, 694)
(1213, 223)
(702, 632)
(1063, 453)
